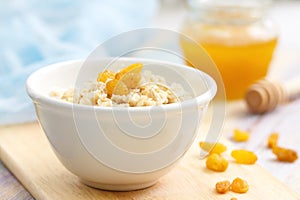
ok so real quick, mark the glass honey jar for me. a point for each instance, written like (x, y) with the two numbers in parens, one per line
(238, 36)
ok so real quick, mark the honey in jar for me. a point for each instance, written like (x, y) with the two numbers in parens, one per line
(237, 36)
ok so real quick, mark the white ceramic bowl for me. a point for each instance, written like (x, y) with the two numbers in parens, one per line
(118, 148)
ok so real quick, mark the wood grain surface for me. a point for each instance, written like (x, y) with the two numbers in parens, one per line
(10, 188)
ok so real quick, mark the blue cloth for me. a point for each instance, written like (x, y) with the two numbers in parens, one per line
(35, 33)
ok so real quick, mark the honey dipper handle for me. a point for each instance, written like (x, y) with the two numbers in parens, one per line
(292, 88)
(265, 95)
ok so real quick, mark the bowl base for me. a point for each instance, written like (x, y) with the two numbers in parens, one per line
(120, 187)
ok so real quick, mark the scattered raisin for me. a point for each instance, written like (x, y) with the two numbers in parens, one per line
(213, 147)
(240, 136)
(284, 154)
(272, 140)
(216, 162)
(222, 187)
(239, 185)
(244, 157)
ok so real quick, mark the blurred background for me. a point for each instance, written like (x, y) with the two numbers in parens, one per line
(36, 33)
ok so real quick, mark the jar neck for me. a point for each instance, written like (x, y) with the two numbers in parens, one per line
(229, 12)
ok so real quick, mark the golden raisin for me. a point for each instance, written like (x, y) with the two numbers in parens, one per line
(216, 162)
(284, 154)
(244, 157)
(116, 87)
(222, 187)
(133, 68)
(272, 140)
(104, 76)
(239, 185)
(240, 136)
(131, 79)
(213, 147)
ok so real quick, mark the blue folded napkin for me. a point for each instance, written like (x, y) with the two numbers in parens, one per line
(36, 33)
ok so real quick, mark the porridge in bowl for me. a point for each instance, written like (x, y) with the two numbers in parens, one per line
(110, 147)
(128, 87)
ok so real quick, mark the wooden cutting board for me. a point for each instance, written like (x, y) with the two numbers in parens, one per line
(26, 152)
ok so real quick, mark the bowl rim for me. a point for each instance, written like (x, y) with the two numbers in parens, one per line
(37, 97)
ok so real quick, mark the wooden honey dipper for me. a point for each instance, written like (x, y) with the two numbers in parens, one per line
(264, 95)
